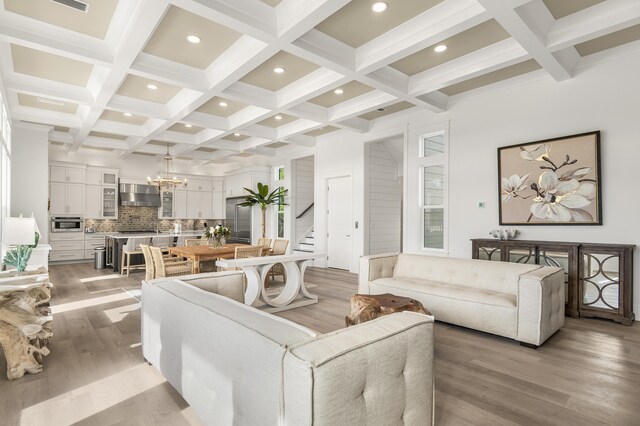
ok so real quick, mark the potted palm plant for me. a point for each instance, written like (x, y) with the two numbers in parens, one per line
(263, 198)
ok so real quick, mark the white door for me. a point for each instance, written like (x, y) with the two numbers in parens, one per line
(339, 221)
(206, 205)
(180, 203)
(218, 211)
(193, 205)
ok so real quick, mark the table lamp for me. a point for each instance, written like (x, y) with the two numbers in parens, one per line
(19, 232)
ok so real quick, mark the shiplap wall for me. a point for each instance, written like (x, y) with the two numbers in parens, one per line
(303, 196)
(385, 201)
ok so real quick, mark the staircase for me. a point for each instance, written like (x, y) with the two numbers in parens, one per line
(306, 244)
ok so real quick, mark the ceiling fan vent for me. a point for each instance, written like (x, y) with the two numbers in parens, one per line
(75, 4)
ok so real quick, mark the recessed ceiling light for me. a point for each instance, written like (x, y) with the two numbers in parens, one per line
(338, 91)
(188, 125)
(236, 134)
(193, 39)
(278, 70)
(50, 101)
(379, 6)
(440, 48)
(278, 117)
(127, 114)
(381, 109)
(152, 86)
(223, 104)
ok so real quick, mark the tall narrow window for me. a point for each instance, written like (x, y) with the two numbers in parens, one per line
(433, 178)
(279, 179)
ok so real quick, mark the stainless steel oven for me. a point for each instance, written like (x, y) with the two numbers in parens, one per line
(67, 224)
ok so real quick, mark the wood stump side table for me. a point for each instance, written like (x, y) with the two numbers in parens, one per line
(25, 320)
(366, 307)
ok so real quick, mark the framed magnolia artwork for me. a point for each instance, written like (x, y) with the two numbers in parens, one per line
(551, 182)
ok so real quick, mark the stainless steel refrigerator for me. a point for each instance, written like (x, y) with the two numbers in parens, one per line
(238, 221)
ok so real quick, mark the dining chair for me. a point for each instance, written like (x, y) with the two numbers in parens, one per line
(171, 268)
(244, 252)
(132, 247)
(265, 243)
(196, 242)
(279, 249)
(150, 272)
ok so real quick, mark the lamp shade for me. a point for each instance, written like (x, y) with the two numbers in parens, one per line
(19, 231)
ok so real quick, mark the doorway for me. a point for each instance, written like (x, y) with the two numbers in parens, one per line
(339, 222)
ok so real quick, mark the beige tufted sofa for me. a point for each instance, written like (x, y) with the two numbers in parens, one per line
(522, 302)
(237, 365)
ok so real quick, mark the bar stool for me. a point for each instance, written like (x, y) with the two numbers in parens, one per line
(132, 247)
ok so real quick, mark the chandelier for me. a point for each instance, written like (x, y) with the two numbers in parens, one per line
(166, 180)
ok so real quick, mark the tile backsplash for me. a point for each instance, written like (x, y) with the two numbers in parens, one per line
(145, 219)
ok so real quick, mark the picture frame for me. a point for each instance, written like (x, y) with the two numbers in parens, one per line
(551, 182)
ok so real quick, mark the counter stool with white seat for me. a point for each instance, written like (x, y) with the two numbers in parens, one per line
(132, 247)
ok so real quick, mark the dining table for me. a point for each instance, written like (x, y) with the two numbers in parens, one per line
(204, 253)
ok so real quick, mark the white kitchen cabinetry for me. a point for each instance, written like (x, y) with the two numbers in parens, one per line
(67, 246)
(67, 198)
(180, 203)
(66, 174)
(167, 205)
(217, 185)
(92, 201)
(236, 184)
(199, 205)
(199, 185)
(219, 208)
(101, 194)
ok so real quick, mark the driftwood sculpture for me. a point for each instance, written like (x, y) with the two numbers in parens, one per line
(365, 307)
(25, 321)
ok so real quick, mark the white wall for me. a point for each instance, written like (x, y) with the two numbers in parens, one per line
(303, 175)
(599, 98)
(338, 156)
(384, 190)
(30, 174)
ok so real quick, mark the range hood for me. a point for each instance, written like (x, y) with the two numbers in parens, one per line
(139, 195)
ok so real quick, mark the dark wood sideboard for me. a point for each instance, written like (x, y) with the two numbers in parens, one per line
(598, 277)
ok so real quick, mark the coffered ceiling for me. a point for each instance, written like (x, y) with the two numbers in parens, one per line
(228, 80)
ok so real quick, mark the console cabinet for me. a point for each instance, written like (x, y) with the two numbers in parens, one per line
(598, 277)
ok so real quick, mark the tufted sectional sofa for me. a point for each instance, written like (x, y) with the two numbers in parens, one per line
(237, 365)
(521, 302)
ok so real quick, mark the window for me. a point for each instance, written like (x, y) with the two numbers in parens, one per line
(433, 165)
(278, 179)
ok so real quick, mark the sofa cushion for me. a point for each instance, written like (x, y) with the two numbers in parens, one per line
(451, 291)
(497, 277)
(279, 330)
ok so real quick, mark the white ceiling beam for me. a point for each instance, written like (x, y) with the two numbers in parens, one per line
(356, 124)
(294, 18)
(28, 32)
(593, 22)
(491, 58)
(170, 72)
(142, 25)
(430, 27)
(525, 32)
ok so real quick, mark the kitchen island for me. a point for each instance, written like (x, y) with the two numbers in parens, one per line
(116, 240)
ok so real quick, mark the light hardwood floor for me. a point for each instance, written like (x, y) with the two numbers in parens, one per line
(587, 374)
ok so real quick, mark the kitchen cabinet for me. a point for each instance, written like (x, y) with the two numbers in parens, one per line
(219, 210)
(199, 185)
(199, 205)
(92, 201)
(180, 203)
(67, 198)
(66, 174)
(100, 194)
(237, 182)
(217, 185)
(167, 205)
(67, 246)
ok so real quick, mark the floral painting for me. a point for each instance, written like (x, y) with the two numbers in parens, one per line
(551, 182)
